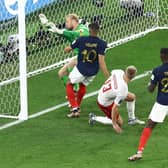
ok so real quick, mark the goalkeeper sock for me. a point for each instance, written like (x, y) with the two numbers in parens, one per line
(71, 96)
(64, 79)
(76, 87)
(70, 69)
(144, 138)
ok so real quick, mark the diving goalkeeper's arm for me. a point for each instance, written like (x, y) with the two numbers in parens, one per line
(70, 35)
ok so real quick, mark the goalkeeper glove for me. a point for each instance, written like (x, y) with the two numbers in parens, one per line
(43, 19)
(51, 25)
(54, 29)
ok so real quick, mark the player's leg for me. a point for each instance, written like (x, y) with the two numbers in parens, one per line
(145, 135)
(71, 97)
(82, 87)
(157, 115)
(66, 69)
(130, 99)
(81, 92)
(107, 119)
(74, 77)
(103, 120)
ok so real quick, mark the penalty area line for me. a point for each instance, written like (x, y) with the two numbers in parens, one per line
(61, 105)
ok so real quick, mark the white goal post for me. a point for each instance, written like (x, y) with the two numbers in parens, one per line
(28, 49)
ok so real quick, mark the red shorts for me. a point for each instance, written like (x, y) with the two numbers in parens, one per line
(106, 110)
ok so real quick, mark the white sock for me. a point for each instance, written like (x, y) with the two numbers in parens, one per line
(103, 120)
(131, 109)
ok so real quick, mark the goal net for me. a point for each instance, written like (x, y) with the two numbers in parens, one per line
(120, 21)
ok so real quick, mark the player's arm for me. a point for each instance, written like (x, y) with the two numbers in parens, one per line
(71, 34)
(151, 87)
(114, 117)
(52, 27)
(68, 49)
(103, 66)
(68, 34)
(153, 83)
(74, 45)
(115, 114)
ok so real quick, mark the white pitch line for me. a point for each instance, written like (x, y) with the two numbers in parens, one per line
(60, 105)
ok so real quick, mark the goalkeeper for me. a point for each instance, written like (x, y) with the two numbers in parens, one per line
(73, 31)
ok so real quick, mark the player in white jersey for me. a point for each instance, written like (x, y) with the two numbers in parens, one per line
(111, 94)
(114, 89)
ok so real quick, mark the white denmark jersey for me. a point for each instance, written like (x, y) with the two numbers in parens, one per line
(115, 89)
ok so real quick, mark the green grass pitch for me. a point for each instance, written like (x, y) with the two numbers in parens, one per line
(54, 141)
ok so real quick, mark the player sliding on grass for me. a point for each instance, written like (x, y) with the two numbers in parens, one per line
(160, 109)
(90, 58)
(111, 94)
(73, 30)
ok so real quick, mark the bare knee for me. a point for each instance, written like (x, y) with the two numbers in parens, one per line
(151, 124)
(130, 97)
(60, 73)
(63, 71)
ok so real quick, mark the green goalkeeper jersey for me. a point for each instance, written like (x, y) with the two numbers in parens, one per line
(72, 35)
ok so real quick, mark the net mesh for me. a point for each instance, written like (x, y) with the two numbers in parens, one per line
(9, 68)
(118, 20)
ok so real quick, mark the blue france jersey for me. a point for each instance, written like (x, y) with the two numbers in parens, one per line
(89, 49)
(160, 77)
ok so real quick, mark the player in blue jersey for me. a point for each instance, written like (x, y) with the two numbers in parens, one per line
(90, 58)
(159, 111)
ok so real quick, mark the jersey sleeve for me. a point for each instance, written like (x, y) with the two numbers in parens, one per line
(71, 35)
(118, 100)
(154, 78)
(102, 48)
(75, 44)
(121, 96)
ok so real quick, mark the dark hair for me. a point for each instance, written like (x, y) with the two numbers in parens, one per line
(164, 51)
(94, 26)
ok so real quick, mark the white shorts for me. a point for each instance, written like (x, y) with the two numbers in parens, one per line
(76, 77)
(158, 112)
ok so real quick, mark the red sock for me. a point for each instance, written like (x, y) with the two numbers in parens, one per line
(81, 93)
(144, 138)
(71, 95)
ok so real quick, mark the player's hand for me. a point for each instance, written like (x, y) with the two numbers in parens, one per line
(43, 19)
(117, 128)
(67, 49)
(53, 28)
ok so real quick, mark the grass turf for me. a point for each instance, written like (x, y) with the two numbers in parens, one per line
(53, 140)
